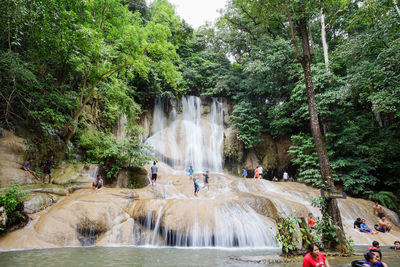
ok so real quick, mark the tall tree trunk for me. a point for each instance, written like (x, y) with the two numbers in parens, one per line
(397, 7)
(332, 206)
(325, 126)
(324, 43)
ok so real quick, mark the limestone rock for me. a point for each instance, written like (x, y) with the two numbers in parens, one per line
(49, 190)
(72, 173)
(38, 202)
(132, 177)
(3, 218)
(12, 150)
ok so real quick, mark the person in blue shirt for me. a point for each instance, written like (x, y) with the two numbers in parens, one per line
(191, 171)
(373, 260)
(196, 187)
(364, 227)
(244, 174)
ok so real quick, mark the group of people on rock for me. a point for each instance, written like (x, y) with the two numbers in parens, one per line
(258, 174)
(382, 225)
(46, 169)
(47, 165)
(196, 184)
(154, 171)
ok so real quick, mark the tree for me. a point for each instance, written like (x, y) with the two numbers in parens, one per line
(298, 14)
(120, 44)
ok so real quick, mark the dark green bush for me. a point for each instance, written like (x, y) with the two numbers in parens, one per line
(12, 199)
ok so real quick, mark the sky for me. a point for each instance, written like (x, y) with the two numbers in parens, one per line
(197, 12)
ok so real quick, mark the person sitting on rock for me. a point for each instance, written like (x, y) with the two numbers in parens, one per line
(275, 179)
(27, 167)
(311, 221)
(357, 223)
(364, 228)
(98, 183)
(396, 245)
(383, 225)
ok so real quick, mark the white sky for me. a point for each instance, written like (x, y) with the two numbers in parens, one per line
(197, 12)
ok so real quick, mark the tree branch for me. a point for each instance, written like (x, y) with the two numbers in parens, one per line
(292, 33)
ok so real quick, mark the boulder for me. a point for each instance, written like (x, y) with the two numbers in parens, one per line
(12, 151)
(3, 218)
(38, 202)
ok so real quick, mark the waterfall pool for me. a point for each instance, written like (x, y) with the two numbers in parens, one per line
(159, 256)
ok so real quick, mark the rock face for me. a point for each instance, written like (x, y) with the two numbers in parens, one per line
(132, 177)
(234, 213)
(12, 151)
(3, 218)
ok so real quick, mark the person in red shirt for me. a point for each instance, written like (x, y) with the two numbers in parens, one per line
(311, 221)
(314, 258)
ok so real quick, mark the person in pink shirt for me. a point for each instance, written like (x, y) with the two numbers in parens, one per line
(314, 258)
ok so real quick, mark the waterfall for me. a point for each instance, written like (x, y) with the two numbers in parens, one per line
(187, 132)
(230, 225)
(93, 169)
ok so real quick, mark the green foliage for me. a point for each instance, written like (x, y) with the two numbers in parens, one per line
(325, 231)
(117, 103)
(12, 199)
(286, 234)
(105, 150)
(306, 159)
(385, 198)
(245, 119)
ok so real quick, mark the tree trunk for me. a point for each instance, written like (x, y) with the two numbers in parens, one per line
(324, 43)
(70, 129)
(396, 7)
(326, 174)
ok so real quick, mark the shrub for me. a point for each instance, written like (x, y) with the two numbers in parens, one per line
(12, 199)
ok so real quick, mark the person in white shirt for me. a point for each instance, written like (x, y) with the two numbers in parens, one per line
(285, 176)
(260, 172)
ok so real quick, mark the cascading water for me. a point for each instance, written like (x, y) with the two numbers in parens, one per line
(233, 212)
(184, 134)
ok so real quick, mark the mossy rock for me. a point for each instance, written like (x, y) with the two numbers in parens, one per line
(37, 202)
(56, 190)
(70, 173)
(132, 177)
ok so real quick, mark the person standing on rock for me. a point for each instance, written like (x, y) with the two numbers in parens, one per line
(256, 173)
(244, 174)
(191, 171)
(206, 177)
(196, 187)
(27, 167)
(154, 170)
(260, 172)
(285, 176)
(378, 210)
(47, 169)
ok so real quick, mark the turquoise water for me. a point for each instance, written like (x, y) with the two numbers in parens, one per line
(142, 256)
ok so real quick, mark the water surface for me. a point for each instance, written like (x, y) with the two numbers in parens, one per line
(156, 256)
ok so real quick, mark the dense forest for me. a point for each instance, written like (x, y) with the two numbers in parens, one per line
(56, 56)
